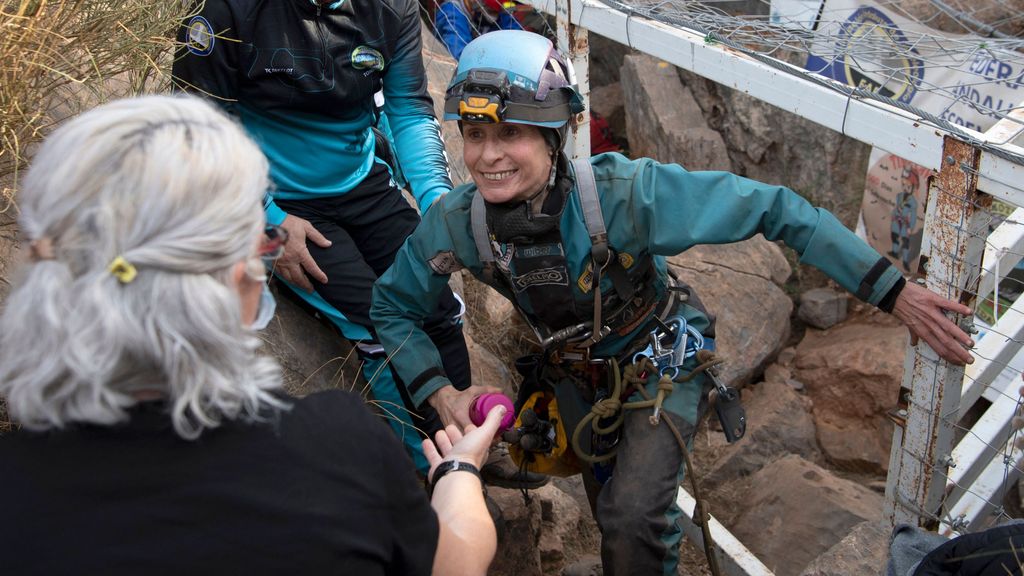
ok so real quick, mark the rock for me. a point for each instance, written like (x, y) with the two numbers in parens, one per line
(588, 565)
(517, 550)
(313, 355)
(771, 145)
(853, 375)
(488, 370)
(543, 537)
(756, 257)
(778, 423)
(493, 322)
(668, 133)
(786, 356)
(822, 308)
(796, 385)
(777, 373)
(738, 283)
(864, 551)
(793, 511)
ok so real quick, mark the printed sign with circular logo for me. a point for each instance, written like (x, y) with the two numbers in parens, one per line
(897, 74)
(200, 38)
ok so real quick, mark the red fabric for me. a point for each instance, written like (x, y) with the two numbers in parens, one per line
(601, 136)
(493, 6)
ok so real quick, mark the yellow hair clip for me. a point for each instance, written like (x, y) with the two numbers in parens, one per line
(122, 270)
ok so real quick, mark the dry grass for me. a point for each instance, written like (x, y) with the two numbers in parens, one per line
(58, 58)
(5, 423)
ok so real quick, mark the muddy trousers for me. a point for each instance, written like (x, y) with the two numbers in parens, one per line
(366, 227)
(636, 508)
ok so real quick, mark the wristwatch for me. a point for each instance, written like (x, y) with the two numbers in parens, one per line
(454, 465)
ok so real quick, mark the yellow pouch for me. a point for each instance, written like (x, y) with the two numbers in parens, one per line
(561, 461)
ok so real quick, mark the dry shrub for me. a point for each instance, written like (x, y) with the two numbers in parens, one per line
(58, 58)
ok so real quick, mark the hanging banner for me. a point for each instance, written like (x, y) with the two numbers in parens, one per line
(952, 76)
(795, 13)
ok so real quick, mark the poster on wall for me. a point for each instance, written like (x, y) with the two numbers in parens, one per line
(927, 69)
(894, 193)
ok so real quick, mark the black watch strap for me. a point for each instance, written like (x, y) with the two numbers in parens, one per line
(453, 466)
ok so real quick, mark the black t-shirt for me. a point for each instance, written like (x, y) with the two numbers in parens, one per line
(325, 488)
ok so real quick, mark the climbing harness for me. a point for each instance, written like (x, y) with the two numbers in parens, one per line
(670, 345)
(634, 291)
(537, 441)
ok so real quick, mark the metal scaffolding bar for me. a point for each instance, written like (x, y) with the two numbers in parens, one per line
(954, 229)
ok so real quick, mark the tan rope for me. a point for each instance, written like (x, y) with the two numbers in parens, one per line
(635, 374)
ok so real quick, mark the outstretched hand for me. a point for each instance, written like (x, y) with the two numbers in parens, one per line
(922, 311)
(471, 447)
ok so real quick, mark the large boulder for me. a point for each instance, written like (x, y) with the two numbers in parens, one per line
(777, 147)
(487, 369)
(864, 551)
(739, 284)
(493, 322)
(313, 356)
(668, 133)
(778, 423)
(852, 372)
(794, 510)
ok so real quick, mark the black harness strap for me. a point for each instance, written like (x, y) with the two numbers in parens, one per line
(478, 219)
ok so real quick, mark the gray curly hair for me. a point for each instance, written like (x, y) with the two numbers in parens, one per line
(174, 187)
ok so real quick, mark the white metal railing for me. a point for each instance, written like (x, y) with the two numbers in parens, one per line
(931, 483)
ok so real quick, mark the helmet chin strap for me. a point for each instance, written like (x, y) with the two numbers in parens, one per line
(537, 199)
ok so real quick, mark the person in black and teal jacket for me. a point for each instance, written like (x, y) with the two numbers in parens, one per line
(324, 88)
(587, 271)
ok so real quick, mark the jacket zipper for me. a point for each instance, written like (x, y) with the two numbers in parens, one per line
(320, 32)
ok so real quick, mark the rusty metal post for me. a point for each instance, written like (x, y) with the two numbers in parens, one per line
(954, 237)
(574, 41)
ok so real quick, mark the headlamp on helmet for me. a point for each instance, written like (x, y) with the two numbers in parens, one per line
(483, 96)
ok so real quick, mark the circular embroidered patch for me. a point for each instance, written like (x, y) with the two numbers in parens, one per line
(200, 38)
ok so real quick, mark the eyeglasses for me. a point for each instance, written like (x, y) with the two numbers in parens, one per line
(272, 245)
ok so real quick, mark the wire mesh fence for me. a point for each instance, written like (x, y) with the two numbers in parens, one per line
(977, 466)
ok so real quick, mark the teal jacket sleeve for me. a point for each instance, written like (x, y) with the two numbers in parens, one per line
(406, 294)
(676, 209)
(410, 111)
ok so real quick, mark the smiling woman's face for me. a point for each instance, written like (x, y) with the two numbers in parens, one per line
(508, 162)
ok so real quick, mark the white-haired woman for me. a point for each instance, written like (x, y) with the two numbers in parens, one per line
(154, 438)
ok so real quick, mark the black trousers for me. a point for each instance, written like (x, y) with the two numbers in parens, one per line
(366, 227)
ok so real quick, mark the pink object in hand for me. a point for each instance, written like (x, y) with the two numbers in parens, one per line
(482, 405)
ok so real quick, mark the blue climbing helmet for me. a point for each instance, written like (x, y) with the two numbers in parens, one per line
(516, 77)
